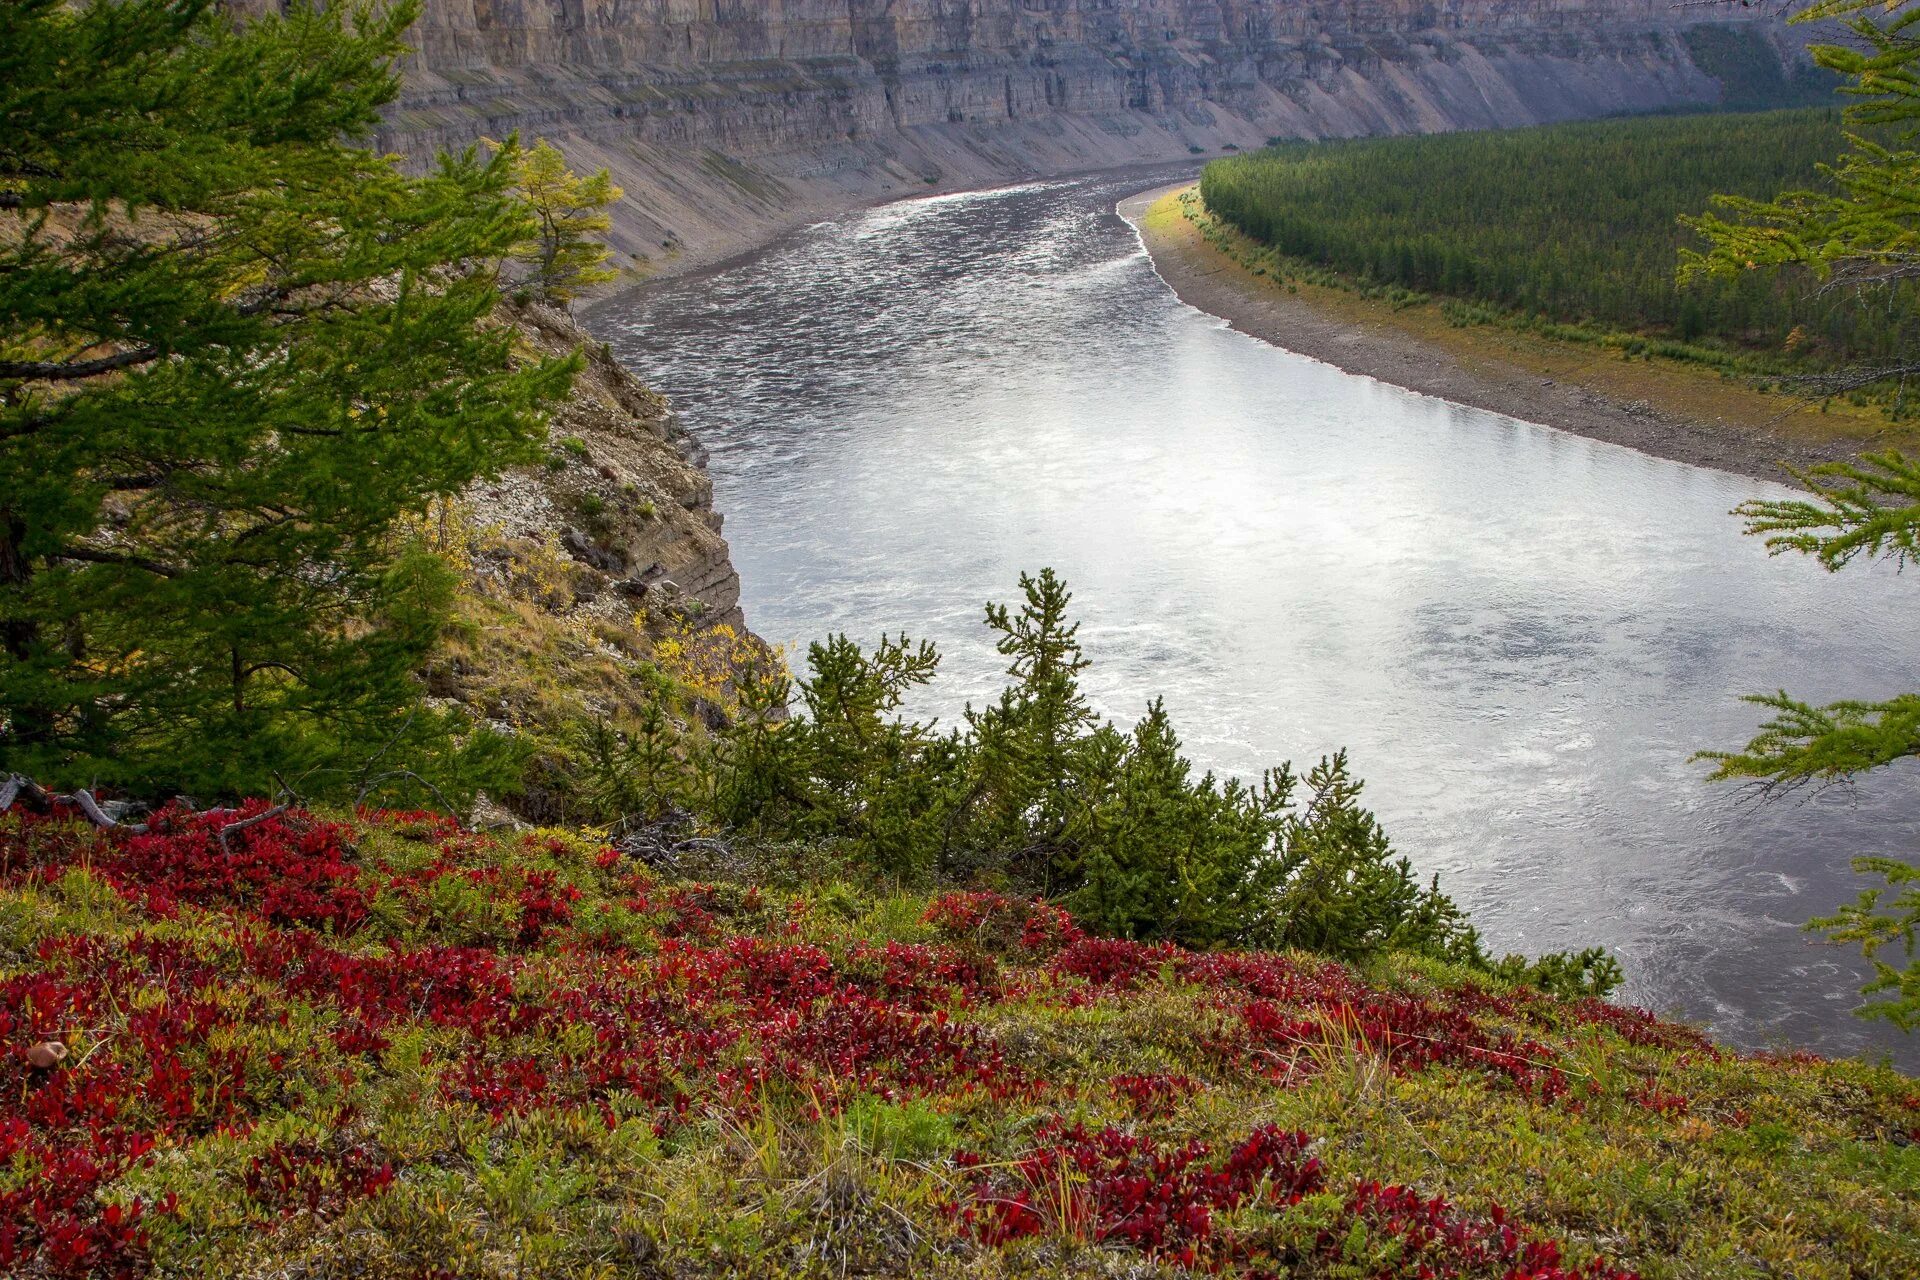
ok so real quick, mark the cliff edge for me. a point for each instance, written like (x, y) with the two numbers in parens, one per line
(727, 123)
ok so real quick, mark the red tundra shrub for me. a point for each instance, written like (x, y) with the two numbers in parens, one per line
(287, 869)
(1154, 1097)
(925, 977)
(1115, 963)
(218, 989)
(293, 1177)
(1438, 1241)
(1115, 1187)
(1637, 1026)
(1651, 1096)
(1411, 1034)
(1021, 927)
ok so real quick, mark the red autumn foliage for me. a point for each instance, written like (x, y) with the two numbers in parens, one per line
(1116, 1187)
(1439, 1241)
(1154, 1097)
(1117, 964)
(722, 1001)
(1637, 1026)
(1651, 1096)
(1112, 1187)
(1019, 927)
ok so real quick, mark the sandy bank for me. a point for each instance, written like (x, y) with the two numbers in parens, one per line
(1666, 410)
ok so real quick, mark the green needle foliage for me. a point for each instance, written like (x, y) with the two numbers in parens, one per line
(1028, 760)
(1566, 229)
(1863, 237)
(1164, 855)
(565, 253)
(1034, 791)
(236, 346)
(1876, 923)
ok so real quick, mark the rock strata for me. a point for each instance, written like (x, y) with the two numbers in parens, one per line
(625, 491)
(727, 122)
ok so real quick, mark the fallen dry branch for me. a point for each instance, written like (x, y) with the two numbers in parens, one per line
(19, 787)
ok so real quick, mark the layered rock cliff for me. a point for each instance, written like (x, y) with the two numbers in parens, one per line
(590, 574)
(624, 493)
(726, 120)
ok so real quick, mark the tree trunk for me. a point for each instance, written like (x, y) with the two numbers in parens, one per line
(19, 634)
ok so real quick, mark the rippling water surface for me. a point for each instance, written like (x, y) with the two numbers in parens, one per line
(1521, 635)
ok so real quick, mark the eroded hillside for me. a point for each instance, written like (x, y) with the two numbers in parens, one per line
(727, 122)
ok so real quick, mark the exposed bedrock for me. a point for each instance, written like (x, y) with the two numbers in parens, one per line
(727, 120)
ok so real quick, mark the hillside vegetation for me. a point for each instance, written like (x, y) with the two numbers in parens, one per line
(381, 1045)
(821, 990)
(1577, 229)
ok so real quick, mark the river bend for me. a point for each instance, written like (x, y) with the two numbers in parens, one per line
(1521, 635)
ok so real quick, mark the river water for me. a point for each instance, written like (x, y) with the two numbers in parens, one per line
(1520, 635)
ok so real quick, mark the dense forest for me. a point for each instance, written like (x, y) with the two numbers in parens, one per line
(1579, 224)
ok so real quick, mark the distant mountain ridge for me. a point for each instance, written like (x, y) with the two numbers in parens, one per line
(727, 121)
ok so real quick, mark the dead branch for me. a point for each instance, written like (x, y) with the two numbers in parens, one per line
(68, 370)
(18, 785)
(265, 815)
(446, 806)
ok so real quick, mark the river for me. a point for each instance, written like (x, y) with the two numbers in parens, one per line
(1521, 635)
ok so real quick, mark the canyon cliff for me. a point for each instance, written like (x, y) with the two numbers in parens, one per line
(727, 121)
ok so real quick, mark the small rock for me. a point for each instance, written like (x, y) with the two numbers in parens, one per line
(488, 816)
(588, 552)
(46, 1055)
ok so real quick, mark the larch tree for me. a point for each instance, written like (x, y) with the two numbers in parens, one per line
(1862, 234)
(565, 252)
(236, 348)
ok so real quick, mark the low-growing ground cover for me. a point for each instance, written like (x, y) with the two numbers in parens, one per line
(385, 1046)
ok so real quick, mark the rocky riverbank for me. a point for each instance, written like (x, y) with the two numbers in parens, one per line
(1666, 410)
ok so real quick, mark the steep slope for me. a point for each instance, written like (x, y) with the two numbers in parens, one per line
(625, 489)
(589, 576)
(728, 121)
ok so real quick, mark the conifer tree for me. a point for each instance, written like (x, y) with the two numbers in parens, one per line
(1346, 893)
(565, 252)
(1864, 235)
(1028, 743)
(1164, 856)
(874, 776)
(235, 345)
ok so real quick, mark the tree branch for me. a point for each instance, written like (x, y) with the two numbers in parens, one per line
(367, 787)
(1839, 382)
(18, 784)
(129, 561)
(265, 815)
(69, 370)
